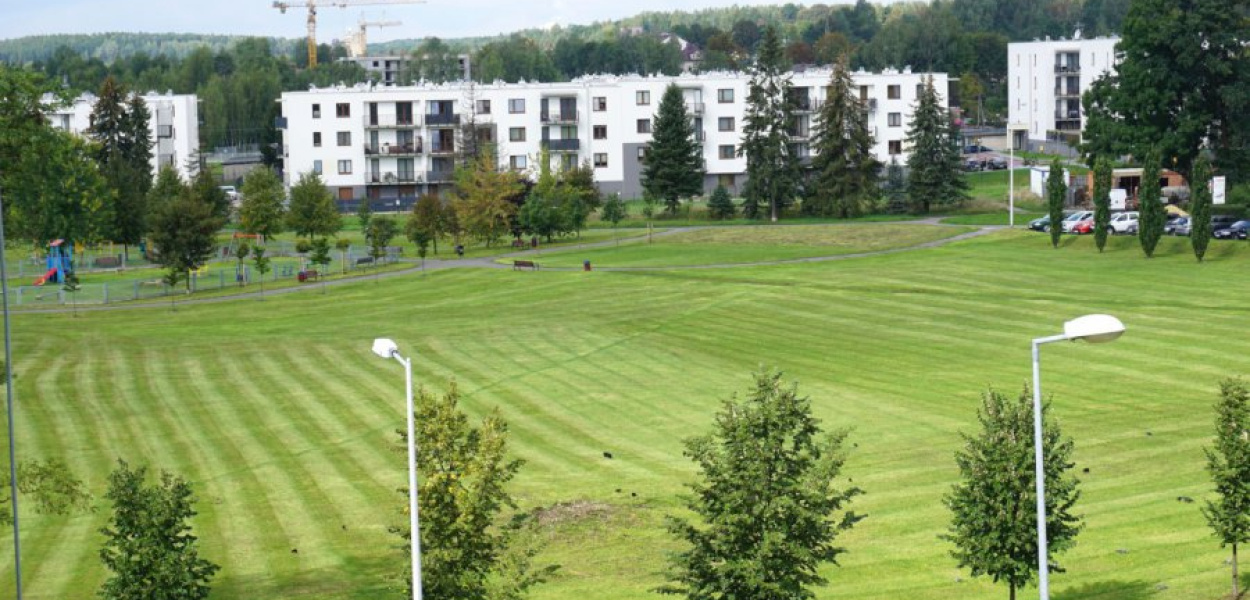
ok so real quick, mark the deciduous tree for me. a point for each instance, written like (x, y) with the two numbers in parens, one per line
(321, 257)
(1229, 465)
(427, 215)
(1152, 217)
(184, 233)
(1102, 201)
(1056, 192)
(261, 262)
(481, 203)
(312, 211)
(261, 211)
(1200, 207)
(673, 169)
(50, 485)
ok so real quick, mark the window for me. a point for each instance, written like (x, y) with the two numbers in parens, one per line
(601, 132)
(919, 90)
(896, 147)
(516, 106)
(727, 152)
(725, 124)
(316, 111)
(483, 107)
(601, 159)
(725, 96)
(516, 134)
(644, 125)
(726, 179)
(342, 109)
(344, 138)
(345, 167)
(601, 103)
(896, 119)
(518, 163)
(317, 167)
(894, 92)
(316, 139)
(642, 152)
(642, 98)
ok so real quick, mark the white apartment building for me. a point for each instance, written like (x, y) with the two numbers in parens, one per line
(393, 143)
(1046, 79)
(173, 128)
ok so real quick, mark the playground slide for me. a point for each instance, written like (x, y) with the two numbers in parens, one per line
(46, 277)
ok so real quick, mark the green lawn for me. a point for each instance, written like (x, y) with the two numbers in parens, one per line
(284, 420)
(736, 245)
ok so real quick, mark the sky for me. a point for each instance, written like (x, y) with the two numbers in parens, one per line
(442, 18)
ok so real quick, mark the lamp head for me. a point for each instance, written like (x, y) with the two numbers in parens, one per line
(385, 348)
(1095, 329)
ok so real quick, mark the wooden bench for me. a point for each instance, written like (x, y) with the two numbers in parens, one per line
(517, 265)
(107, 262)
(308, 275)
(368, 260)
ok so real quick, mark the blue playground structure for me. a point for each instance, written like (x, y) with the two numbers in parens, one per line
(60, 262)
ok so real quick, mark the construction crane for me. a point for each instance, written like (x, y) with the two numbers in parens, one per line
(358, 40)
(312, 5)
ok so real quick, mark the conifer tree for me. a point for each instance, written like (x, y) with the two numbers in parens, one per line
(1102, 201)
(674, 166)
(1229, 465)
(845, 169)
(772, 168)
(1200, 217)
(927, 144)
(955, 186)
(1152, 218)
(721, 206)
(123, 152)
(1056, 192)
(895, 188)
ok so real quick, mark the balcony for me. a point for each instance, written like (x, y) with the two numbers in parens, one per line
(1067, 115)
(563, 145)
(390, 178)
(695, 108)
(871, 104)
(699, 136)
(393, 149)
(442, 120)
(1072, 68)
(440, 176)
(442, 149)
(1067, 93)
(799, 136)
(390, 121)
(559, 118)
(804, 105)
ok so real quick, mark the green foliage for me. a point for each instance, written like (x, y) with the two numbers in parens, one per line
(1229, 465)
(674, 166)
(381, 231)
(56, 192)
(642, 54)
(168, 187)
(994, 505)
(311, 211)
(1200, 207)
(1152, 216)
(184, 232)
(467, 549)
(844, 180)
(426, 221)
(262, 211)
(203, 187)
(433, 61)
(895, 188)
(1056, 193)
(772, 168)
(934, 175)
(50, 485)
(319, 253)
(482, 206)
(765, 501)
(512, 60)
(364, 213)
(261, 262)
(1102, 201)
(721, 206)
(148, 544)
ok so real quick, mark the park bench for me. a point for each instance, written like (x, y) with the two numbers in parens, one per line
(307, 275)
(368, 260)
(518, 265)
(107, 262)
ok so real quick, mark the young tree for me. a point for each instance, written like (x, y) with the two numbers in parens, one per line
(895, 188)
(464, 474)
(994, 505)
(342, 244)
(765, 501)
(1056, 192)
(148, 544)
(1229, 465)
(168, 188)
(1102, 201)
(614, 211)
(721, 206)
(240, 254)
(261, 211)
(932, 177)
(421, 239)
(648, 211)
(311, 211)
(845, 168)
(1153, 217)
(381, 231)
(481, 202)
(772, 168)
(1200, 207)
(674, 166)
(184, 232)
(50, 485)
(204, 188)
(261, 262)
(427, 215)
(364, 213)
(321, 258)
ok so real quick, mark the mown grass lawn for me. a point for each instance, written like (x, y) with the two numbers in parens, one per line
(284, 420)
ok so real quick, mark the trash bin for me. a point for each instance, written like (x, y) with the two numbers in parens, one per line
(585, 265)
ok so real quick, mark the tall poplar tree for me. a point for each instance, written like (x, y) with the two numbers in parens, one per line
(845, 168)
(1229, 465)
(1152, 218)
(772, 168)
(1056, 192)
(1200, 205)
(1102, 201)
(674, 166)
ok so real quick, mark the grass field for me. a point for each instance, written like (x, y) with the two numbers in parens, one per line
(284, 420)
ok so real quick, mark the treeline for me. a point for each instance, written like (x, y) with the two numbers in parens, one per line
(109, 47)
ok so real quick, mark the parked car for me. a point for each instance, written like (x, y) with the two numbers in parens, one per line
(1125, 222)
(997, 163)
(1074, 218)
(1084, 226)
(1177, 226)
(1219, 222)
(975, 149)
(1236, 231)
(1042, 224)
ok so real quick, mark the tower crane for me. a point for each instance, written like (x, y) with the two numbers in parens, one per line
(312, 5)
(358, 40)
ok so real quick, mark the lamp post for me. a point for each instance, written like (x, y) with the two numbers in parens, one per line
(1095, 329)
(386, 348)
(1011, 173)
(8, 385)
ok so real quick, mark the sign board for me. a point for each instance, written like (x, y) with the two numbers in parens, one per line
(1218, 190)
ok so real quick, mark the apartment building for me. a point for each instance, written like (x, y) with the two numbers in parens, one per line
(393, 143)
(1046, 79)
(173, 127)
(390, 70)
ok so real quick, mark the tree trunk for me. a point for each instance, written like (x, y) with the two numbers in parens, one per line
(1012, 586)
(1236, 583)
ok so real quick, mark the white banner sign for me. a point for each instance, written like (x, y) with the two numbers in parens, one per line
(1218, 193)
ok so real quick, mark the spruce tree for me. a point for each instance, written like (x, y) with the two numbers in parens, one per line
(1152, 217)
(994, 505)
(772, 168)
(895, 188)
(674, 166)
(845, 169)
(1056, 192)
(1102, 201)
(1200, 217)
(120, 129)
(720, 206)
(929, 147)
(955, 187)
(1229, 465)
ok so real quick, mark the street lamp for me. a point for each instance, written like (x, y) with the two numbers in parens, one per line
(1095, 329)
(1011, 172)
(386, 348)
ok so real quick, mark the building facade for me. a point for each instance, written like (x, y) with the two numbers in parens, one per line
(1046, 79)
(394, 143)
(173, 127)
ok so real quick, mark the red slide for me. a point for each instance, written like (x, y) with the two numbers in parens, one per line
(46, 277)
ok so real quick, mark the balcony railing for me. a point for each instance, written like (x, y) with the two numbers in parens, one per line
(390, 178)
(699, 136)
(442, 120)
(1066, 115)
(1075, 68)
(804, 105)
(439, 176)
(390, 121)
(393, 149)
(563, 145)
(442, 149)
(695, 108)
(561, 117)
(1067, 93)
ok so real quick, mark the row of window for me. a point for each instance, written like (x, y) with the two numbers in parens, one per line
(516, 106)
(342, 138)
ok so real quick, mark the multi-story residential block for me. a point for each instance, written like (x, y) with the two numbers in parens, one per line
(391, 70)
(1046, 79)
(394, 143)
(173, 127)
